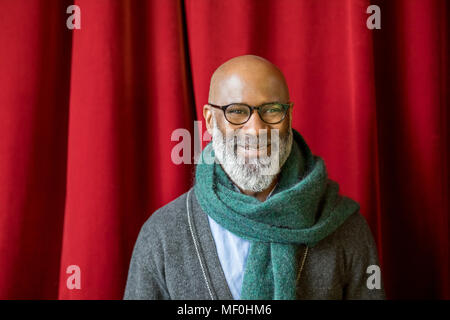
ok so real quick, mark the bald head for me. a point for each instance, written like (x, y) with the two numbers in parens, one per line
(254, 81)
(248, 79)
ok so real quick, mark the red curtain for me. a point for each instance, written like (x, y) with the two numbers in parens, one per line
(86, 118)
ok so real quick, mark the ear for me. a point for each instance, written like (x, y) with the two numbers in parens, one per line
(290, 113)
(208, 115)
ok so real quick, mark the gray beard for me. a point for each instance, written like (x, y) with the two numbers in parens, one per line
(251, 174)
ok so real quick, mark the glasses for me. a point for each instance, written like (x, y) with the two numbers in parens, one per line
(240, 113)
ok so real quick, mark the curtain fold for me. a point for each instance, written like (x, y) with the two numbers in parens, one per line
(129, 91)
(34, 68)
(411, 63)
(87, 117)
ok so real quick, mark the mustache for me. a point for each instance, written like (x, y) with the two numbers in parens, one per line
(249, 141)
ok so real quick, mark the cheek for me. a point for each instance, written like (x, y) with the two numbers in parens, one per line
(223, 125)
(283, 127)
(286, 125)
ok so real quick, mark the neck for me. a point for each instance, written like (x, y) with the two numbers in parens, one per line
(262, 195)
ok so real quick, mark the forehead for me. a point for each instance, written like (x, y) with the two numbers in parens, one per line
(251, 88)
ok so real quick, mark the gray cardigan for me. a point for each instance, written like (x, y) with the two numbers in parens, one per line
(175, 258)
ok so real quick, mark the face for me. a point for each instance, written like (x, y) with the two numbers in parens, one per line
(251, 153)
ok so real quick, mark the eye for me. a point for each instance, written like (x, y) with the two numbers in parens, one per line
(237, 110)
(273, 109)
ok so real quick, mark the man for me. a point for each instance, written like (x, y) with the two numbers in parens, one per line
(263, 221)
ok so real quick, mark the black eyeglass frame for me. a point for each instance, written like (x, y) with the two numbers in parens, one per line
(285, 106)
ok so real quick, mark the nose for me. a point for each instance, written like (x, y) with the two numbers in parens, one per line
(254, 124)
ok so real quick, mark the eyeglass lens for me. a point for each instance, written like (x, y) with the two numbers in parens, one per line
(240, 113)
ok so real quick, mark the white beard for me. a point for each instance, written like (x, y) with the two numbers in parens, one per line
(256, 173)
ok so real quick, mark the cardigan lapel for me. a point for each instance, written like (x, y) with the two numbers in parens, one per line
(209, 251)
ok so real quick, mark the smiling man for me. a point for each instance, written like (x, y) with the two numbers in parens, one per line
(263, 221)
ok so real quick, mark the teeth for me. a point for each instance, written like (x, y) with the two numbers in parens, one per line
(253, 147)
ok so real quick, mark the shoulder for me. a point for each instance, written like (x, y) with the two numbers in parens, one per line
(167, 219)
(353, 236)
(355, 240)
(354, 229)
(164, 230)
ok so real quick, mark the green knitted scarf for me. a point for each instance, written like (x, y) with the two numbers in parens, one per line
(304, 209)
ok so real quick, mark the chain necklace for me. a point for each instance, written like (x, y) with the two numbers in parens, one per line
(302, 264)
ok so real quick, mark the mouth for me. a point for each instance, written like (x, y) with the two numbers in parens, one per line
(253, 151)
